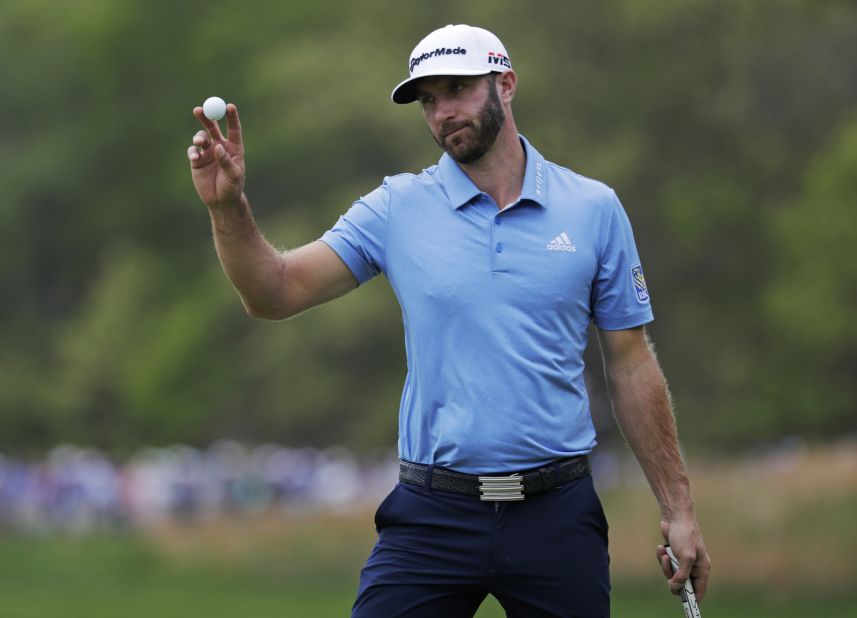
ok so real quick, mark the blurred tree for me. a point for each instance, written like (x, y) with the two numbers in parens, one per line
(724, 127)
(812, 298)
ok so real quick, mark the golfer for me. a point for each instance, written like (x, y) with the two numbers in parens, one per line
(500, 260)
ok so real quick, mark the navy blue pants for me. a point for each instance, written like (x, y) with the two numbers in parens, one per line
(439, 554)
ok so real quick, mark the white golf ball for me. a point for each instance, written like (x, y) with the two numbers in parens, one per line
(214, 108)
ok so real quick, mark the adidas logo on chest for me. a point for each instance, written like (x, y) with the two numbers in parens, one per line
(562, 243)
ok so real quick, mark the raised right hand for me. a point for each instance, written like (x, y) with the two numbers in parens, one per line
(217, 162)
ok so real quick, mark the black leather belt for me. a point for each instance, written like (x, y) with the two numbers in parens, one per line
(496, 487)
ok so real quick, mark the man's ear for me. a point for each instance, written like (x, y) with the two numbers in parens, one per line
(507, 82)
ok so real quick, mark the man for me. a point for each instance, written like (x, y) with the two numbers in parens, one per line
(499, 259)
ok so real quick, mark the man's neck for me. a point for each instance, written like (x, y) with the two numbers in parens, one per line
(500, 172)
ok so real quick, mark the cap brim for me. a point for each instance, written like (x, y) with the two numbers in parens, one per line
(406, 91)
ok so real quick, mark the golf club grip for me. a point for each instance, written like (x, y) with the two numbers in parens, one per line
(688, 597)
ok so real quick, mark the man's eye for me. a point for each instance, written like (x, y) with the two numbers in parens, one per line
(426, 100)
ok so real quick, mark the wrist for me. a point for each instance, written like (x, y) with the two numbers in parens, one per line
(238, 203)
(230, 218)
(676, 513)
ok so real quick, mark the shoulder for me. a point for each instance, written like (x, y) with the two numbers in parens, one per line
(406, 188)
(591, 198)
(564, 184)
(409, 181)
(568, 183)
(405, 181)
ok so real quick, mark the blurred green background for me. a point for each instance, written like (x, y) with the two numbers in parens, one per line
(728, 129)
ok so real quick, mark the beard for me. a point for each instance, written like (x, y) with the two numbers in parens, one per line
(486, 127)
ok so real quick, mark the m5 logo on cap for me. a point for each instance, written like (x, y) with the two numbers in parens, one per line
(498, 58)
(440, 51)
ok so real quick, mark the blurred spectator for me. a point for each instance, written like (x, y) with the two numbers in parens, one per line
(79, 490)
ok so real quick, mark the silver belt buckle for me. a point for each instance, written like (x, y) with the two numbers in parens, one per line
(501, 488)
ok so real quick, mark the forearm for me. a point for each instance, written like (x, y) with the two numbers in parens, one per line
(255, 269)
(641, 404)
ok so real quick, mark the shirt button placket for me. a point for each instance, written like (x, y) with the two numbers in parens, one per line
(498, 244)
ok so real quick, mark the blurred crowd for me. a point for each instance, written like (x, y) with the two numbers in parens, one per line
(82, 489)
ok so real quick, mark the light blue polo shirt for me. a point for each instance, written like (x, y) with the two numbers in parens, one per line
(496, 306)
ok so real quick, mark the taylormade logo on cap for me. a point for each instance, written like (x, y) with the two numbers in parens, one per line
(453, 50)
(438, 52)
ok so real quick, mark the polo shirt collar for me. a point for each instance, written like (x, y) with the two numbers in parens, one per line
(535, 180)
(458, 186)
(461, 190)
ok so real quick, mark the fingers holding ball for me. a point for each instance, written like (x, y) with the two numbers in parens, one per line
(212, 110)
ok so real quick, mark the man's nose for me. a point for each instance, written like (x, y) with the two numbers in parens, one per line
(446, 108)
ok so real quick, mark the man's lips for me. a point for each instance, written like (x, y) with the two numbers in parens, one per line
(454, 131)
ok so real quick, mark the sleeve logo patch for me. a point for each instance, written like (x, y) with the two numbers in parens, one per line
(640, 284)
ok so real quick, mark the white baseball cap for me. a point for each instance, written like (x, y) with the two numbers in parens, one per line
(453, 50)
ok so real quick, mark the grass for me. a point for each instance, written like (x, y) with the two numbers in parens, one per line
(779, 531)
(126, 576)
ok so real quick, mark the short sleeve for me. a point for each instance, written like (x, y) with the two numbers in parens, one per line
(620, 297)
(360, 235)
